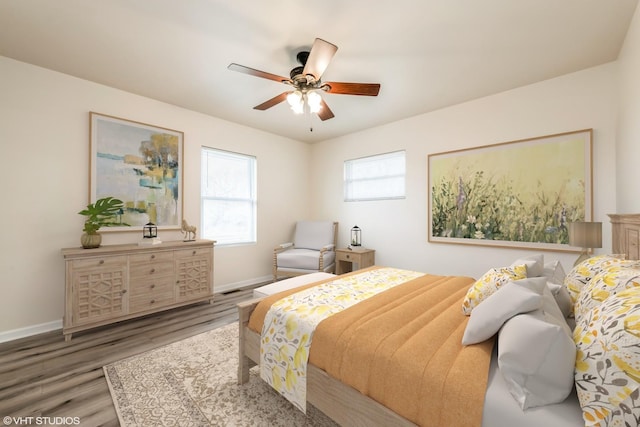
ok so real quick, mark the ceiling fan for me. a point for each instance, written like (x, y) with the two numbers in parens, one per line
(306, 84)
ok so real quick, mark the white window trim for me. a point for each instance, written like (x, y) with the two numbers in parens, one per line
(253, 199)
(348, 180)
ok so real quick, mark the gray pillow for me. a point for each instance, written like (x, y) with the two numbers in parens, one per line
(562, 297)
(554, 271)
(536, 355)
(534, 263)
(518, 296)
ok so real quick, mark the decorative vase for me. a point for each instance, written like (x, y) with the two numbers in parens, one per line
(91, 241)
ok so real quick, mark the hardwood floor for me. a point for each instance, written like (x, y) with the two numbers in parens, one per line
(44, 376)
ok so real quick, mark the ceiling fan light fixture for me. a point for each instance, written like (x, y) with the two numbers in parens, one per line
(295, 100)
(305, 82)
(314, 100)
(298, 108)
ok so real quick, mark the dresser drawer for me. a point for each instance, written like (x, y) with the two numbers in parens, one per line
(151, 257)
(151, 286)
(344, 256)
(107, 261)
(151, 269)
(151, 301)
(195, 252)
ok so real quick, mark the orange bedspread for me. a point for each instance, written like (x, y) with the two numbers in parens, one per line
(403, 349)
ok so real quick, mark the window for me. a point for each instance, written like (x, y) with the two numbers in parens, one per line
(375, 177)
(228, 197)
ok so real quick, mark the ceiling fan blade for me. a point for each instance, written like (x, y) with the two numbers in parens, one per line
(257, 73)
(366, 89)
(319, 57)
(273, 101)
(325, 112)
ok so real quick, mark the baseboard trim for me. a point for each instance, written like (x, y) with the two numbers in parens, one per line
(28, 331)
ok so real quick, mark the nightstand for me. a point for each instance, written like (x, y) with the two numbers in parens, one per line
(346, 258)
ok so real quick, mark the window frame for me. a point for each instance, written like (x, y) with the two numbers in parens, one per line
(252, 233)
(349, 180)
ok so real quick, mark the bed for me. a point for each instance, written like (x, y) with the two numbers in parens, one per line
(482, 398)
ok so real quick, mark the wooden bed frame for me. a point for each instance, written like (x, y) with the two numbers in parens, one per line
(342, 403)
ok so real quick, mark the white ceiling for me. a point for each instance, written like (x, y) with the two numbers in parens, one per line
(426, 54)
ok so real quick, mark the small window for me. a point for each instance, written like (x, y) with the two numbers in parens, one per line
(375, 177)
(228, 197)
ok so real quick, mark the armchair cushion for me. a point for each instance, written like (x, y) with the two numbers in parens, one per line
(313, 235)
(304, 259)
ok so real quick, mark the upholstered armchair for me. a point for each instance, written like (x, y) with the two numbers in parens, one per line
(312, 249)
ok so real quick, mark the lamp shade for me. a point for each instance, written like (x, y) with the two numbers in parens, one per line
(295, 100)
(314, 101)
(585, 234)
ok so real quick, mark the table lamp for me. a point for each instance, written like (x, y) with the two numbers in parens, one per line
(356, 236)
(586, 235)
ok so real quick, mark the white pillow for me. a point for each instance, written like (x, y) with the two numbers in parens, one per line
(554, 271)
(562, 297)
(534, 263)
(536, 355)
(519, 296)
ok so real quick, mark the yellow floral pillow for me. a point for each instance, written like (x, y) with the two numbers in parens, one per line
(582, 273)
(606, 283)
(607, 371)
(489, 283)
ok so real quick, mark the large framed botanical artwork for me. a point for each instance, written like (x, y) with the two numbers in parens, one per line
(516, 194)
(140, 164)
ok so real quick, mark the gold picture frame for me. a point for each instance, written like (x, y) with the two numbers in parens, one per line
(512, 194)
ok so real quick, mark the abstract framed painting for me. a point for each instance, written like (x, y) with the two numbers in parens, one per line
(140, 164)
(513, 194)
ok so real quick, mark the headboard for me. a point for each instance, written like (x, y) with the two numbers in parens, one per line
(625, 234)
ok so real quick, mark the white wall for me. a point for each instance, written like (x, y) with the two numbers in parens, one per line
(397, 229)
(44, 141)
(628, 144)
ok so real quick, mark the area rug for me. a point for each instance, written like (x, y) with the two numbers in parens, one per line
(194, 383)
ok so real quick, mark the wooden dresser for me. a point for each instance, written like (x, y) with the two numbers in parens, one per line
(118, 282)
(625, 234)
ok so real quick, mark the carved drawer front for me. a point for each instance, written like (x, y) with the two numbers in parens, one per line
(99, 293)
(193, 273)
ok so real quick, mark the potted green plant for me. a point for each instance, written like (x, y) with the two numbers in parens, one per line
(103, 213)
